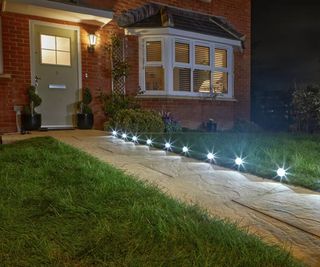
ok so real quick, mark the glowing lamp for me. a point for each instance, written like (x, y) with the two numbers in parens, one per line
(124, 135)
(238, 161)
(281, 172)
(185, 149)
(210, 156)
(92, 42)
(134, 138)
(149, 142)
(114, 133)
(167, 145)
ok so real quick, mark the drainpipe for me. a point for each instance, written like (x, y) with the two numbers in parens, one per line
(18, 110)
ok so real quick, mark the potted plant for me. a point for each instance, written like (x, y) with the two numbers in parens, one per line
(30, 119)
(85, 116)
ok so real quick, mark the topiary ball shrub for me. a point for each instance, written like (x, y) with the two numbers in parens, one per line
(135, 121)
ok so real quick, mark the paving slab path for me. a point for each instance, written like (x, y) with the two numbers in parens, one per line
(284, 215)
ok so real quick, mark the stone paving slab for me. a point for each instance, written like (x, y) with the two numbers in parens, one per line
(284, 215)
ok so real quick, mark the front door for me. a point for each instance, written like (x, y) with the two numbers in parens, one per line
(56, 64)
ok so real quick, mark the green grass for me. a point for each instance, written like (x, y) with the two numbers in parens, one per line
(61, 207)
(263, 152)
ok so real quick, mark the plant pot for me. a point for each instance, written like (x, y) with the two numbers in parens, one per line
(30, 122)
(85, 121)
(211, 126)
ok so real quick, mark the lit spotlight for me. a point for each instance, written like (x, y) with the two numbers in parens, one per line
(167, 145)
(211, 156)
(135, 138)
(124, 135)
(114, 133)
(149, 142)
(281, 172)
(185, 149)
(239, 161)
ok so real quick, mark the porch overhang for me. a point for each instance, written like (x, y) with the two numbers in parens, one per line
(59, 10)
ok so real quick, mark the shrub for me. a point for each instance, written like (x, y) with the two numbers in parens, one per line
(137, 121)
(244, 126)
(86, 100)
(306, 108)
(171, 125)
(34, 100)
(115, 102)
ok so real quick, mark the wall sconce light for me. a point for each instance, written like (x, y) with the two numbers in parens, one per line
(92, 42)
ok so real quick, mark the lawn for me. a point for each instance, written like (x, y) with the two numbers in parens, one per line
(262, 152)
(62, 207)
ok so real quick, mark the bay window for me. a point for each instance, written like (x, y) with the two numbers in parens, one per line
(175, 66)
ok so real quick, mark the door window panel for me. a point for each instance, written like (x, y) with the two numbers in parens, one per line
(55, 50)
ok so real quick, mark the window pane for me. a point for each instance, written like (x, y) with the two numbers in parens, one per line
(48, 56)
(201, 81)
(182, 79)
(220, 58)
(182, 52)
(63, 44)
(154, 78)
(63, 58)
(220, 82)
(48, 42)
(202, 54)
(154, 51)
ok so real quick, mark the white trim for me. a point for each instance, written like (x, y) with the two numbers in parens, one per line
(58, 10)
(182, 34)
(32, 24)
(1, 51)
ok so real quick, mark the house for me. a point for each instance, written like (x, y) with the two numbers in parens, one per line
(191, 58)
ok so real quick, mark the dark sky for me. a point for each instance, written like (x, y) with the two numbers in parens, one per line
(286, 43)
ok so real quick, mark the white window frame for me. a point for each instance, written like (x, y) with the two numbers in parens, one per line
(168, 63)
(145, 64)
(182, 65)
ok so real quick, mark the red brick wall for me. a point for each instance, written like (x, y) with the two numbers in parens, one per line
(193, 112)
(96, 69)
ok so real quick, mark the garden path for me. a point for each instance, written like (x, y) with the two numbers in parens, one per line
(284, 215)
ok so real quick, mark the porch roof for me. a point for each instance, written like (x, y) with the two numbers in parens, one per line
(80, 11)
(154, 15)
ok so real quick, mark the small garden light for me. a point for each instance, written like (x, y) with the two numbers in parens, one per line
(124, 135)
(114, 133)
(185, 149)
(149, 142)
(281, 172)
(239, 161)
(167, 145)
(135, 138)
(210, 156)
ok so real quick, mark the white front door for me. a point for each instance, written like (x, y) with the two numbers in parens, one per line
(55, 62)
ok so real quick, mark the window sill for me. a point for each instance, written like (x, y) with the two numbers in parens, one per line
(205, 98)
(5, 76)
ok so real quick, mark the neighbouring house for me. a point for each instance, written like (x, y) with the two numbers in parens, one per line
(191, 57)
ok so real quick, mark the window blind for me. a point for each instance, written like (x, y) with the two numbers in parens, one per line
(182, 52)
(220, 82)
(153, 53)
(202, 55)
(201, 81)
(182, 79)
(154, 78)
(220, 57)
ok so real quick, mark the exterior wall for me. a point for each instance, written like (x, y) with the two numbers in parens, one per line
(96, 68)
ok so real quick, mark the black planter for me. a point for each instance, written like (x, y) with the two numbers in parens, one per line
(211, 126)
(85, 121)
(30, 122)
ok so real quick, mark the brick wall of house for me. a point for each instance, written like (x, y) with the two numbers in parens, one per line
(96, 69)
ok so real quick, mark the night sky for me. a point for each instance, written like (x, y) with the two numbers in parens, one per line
(286, 46)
